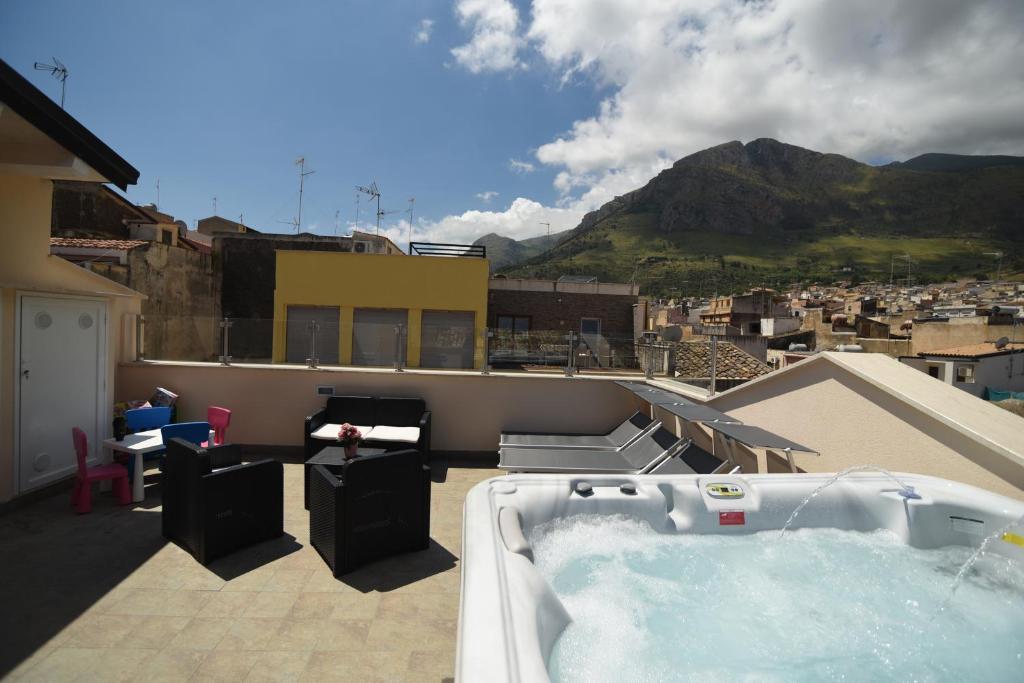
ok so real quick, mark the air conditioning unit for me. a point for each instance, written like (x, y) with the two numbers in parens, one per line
(361, 247)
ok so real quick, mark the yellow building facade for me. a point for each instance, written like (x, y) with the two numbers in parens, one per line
(440, 303)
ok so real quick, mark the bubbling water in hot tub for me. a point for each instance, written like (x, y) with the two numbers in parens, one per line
(826, 604)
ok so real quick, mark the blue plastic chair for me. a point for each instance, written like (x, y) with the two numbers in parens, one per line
(194, 432)
(143, 419)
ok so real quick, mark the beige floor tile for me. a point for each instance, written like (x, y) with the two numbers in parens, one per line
(287, 580)
(201, 633)
(342, 636)
(356, 606)
(65, 664)
(100, 630)
(171, 665)
(249, 634)
(254, 580)
(271, 605)
(434, 666)
(156, 632)
(167, 603)
(420, 634)
(314, 605)
(121, 665)
(368, 667)
(322, 581)
(278, 667)
(225, 665)
(401, 605)
(226, 604)
(297, 634)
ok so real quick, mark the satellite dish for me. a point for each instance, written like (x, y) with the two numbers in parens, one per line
(1002, 342)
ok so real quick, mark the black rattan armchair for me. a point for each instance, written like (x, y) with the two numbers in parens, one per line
(214, 504)
(369, 508)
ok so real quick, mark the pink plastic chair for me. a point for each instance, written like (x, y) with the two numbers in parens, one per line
(219, 419)
(81, 496)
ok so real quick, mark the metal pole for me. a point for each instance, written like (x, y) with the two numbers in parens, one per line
(649, 370)
(569, 361)
(312, 360)
(714, 363)
(398, 348)
(140, 337)
(487, 352)
(225, 325)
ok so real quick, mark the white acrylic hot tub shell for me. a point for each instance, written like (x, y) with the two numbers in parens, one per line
(509, 618)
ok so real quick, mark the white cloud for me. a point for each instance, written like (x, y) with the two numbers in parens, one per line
(878, 79)
(517, 166)
(487, 196)
(424, 31)
(495, 41)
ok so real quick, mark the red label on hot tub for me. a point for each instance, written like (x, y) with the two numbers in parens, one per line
(731, 518)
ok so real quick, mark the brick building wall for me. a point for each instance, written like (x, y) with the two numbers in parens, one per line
(564, 311)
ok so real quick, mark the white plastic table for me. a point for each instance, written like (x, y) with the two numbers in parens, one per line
(138, 445)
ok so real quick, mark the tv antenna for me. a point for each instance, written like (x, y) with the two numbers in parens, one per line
(215, 206)
(58, 71)
(337, 222)
(910, 261)
(158, 193)
(301, 163)
(998, 256)
(374, 193)
(412, 200)
(547, 224)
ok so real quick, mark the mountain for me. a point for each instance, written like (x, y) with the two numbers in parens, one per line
(505, 251)
(767, 212)
(953, 163)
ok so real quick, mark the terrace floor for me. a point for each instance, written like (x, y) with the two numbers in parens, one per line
(104, 596)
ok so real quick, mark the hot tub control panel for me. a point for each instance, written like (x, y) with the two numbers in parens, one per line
(722, 490)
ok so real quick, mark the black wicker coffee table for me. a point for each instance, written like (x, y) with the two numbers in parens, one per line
(332, 455)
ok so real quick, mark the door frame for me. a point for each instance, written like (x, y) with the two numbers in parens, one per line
(102, 414)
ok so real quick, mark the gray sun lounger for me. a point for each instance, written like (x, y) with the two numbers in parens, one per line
(640, 457)
(621, 437)
(690, 460)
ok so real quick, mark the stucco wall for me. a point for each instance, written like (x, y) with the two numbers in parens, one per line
(27, 266)
(933, 336)
(852, 422)
(350, 281)
(470, 410)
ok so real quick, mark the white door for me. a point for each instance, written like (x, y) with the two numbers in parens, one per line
(60, 385)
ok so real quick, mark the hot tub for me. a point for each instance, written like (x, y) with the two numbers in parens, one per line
(688, 578)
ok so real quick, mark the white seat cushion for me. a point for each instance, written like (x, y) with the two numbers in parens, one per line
(329, 432)
(400, 434)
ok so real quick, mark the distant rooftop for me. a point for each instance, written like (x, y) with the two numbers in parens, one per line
(976, 350)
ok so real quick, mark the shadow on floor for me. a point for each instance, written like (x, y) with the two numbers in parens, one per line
(58, 564)
(401, 570)
(253, 557)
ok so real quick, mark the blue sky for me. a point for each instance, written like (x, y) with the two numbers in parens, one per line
(593, 97)
(219, 101)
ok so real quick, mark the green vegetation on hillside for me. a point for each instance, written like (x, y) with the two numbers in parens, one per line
(735, 216)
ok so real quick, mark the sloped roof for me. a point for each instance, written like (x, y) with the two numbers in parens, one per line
(975, 350)
(31, 104)
(693, 360)
(86, 243)
(996, 429)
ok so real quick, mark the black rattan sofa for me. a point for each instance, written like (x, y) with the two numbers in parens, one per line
(213, 504)
(399, 423)
(369, 508)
